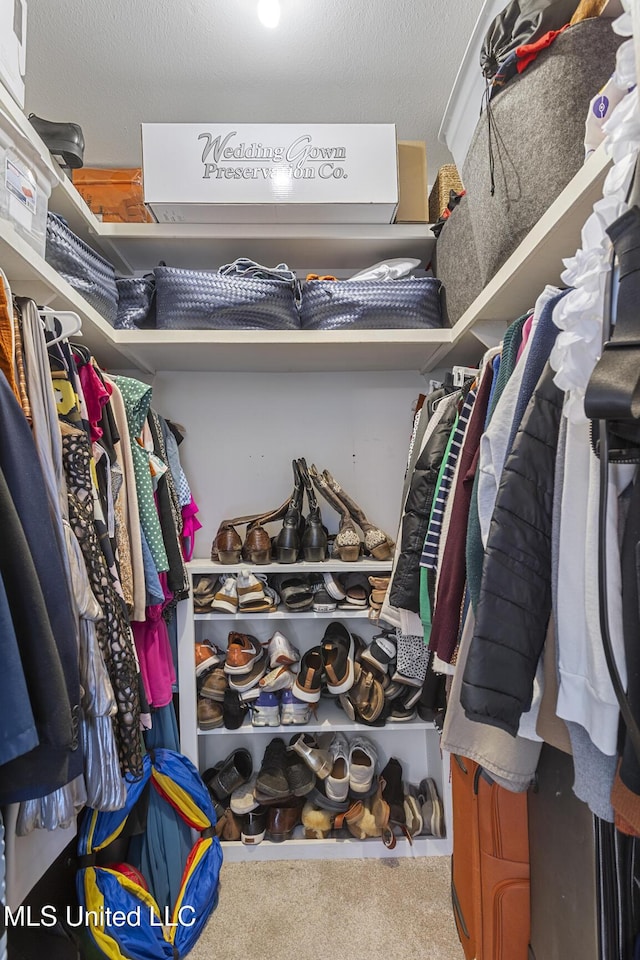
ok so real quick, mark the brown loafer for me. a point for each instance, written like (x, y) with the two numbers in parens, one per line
(282, 819)
(209, 714)
(214, 685)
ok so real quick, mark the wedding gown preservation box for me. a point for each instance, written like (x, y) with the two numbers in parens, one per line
(270, 173)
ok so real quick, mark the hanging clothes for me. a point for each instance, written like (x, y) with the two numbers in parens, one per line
(137, 400)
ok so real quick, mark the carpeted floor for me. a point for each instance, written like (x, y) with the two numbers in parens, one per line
(335, 909)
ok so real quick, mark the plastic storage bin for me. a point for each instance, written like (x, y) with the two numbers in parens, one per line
(25, 185)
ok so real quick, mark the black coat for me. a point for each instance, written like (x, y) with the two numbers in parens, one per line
(405, 586)
(49, 652)
(515, 595)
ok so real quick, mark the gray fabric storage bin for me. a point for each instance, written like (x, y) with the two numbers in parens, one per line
(456, 263)
(538, 143)
(538, 139)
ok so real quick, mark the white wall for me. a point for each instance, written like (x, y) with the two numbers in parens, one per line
(244, 429)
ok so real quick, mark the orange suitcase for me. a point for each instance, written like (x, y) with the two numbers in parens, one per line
(490, 867)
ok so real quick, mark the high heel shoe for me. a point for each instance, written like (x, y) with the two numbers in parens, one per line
(314, 537)
(347, 541)
(288, 541)
(376, 540)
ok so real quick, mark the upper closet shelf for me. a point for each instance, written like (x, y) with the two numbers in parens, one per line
(322, 247)
(318, 247)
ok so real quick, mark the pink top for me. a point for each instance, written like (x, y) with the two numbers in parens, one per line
(96, 395)
(526, 333)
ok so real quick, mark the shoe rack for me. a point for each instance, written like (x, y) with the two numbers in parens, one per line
(415, 743)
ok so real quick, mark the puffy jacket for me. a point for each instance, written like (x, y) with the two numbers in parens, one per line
(405, 586)
(515, 594)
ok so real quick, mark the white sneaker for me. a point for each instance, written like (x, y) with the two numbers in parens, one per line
(265, 711)
(226, 599)
(337, 783)
(333, 586)
(251, 594)
(293, 710)
(281, 651)
(280, 678)
(363, 758)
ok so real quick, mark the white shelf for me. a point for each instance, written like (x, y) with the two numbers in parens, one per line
(331, 718)
(353, 614)
(302, 567)
(283, 351)
(320, 247)
(333, 848)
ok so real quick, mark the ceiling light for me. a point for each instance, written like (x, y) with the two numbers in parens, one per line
(269, 13)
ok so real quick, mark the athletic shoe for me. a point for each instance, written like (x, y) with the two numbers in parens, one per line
(432, 812)
(281, 651)
(208, 655)
(245, 681)
(363, 759)
(337, 656)
(265, 711)
(280, 678)
(337, 783)
(334, 586)
(251, 593)
(226, 599)
(242, 652)
(293, 710)
(322, 602)
(380, 653)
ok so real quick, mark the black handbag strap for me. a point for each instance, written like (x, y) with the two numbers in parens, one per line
(614, 388)
(613, 395)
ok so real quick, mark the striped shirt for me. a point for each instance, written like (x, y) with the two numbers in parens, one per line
(429, 556)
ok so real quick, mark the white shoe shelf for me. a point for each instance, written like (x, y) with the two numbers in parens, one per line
(415, 743)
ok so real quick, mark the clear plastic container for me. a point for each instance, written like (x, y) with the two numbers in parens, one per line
(25, 185)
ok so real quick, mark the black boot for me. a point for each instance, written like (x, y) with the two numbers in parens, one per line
(289, 540)
(314, 536)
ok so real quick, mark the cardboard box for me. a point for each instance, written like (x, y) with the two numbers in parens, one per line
(115, 196)
(270, 173)
(413, 205)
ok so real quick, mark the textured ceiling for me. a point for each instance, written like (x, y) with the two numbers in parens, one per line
(112, 65)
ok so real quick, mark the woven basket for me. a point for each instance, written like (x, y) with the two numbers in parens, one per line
(448, 179)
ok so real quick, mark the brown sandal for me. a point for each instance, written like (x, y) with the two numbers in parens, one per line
(366, 694)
